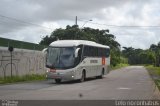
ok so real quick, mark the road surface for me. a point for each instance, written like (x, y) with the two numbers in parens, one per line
(128, 83)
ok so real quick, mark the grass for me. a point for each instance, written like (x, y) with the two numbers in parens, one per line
(24, 78)
(155, 74)
(121, 65)
(153, 70)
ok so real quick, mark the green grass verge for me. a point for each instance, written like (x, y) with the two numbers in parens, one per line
(121, 65)
(153, 70)
(155, 74)
(14, 79)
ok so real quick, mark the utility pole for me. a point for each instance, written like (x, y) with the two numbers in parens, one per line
(76, 21)
(10, 48)
(81, 27)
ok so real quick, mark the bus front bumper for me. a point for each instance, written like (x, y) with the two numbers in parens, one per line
(59, 75)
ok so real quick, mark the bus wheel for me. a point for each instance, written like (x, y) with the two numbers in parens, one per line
(82, 77)
(58, 81)
(102, 74)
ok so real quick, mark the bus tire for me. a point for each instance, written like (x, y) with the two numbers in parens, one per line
(102, 74)
(58, 81)
(83, 76)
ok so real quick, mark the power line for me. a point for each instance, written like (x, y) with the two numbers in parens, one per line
(123, 26)
(10, 18)
(117, 26)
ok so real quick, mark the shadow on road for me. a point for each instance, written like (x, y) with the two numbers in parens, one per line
(77, 81)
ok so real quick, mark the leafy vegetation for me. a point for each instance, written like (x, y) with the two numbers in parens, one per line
(14, 79)
(153, 70)
(20, 44)
(118, 66)
(156, 51)
(140, 56)
(155, 74)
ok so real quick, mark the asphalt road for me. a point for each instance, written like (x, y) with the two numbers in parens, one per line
(128, 83)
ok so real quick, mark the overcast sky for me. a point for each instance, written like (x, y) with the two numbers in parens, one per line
(44, 16)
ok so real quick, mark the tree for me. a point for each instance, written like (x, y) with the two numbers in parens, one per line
(47, 40)
(156, 49)
(138, 56)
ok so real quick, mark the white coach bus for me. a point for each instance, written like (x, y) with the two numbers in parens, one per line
(76, 59)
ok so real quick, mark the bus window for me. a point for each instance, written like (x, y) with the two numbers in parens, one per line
(107, 52)
(86, 51)
(99, 52)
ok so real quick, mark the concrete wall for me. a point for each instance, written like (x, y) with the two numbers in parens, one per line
(24, 62)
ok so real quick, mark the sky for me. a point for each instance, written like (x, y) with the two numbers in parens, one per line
(135, 23)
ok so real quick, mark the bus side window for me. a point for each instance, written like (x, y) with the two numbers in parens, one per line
(107, 52)
(86, 51)
(100, 52)
(92, 51)
(89, 51)
(96, 51)
(104, 52)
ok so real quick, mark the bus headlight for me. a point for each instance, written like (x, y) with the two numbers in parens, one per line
(47, 71)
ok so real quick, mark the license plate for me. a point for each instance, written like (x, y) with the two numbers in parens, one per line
(56, 77)
(53, 70)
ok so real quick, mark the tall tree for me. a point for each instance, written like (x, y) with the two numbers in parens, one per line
(156, 49)
(138, 56)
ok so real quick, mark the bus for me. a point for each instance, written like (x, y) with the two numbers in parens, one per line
(76, 60)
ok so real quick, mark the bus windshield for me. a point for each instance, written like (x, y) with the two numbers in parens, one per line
(60, 57)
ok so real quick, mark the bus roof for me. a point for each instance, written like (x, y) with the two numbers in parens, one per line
(68, 43)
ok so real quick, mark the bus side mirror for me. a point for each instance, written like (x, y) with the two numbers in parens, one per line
(76, 52)
(45, 51)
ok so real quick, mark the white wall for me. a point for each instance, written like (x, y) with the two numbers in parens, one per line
(24, 62)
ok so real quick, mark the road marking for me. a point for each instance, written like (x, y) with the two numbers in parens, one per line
(123, 88)
(139, 83)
